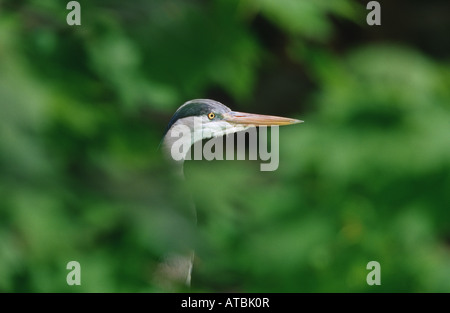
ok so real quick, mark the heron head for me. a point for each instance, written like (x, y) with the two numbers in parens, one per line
(209, 119)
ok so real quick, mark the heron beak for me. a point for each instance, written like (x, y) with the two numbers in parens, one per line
(249, 119)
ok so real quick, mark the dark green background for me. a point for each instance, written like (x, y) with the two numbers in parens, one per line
(366, 177)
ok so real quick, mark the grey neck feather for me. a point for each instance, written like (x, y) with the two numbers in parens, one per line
(185, 141)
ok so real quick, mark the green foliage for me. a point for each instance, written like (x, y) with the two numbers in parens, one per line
(83, 110)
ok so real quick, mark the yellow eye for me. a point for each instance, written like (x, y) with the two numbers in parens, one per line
(211, 115)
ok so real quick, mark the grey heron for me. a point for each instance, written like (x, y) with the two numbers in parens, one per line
(203, 119)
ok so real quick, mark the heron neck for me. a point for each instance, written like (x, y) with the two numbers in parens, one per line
(168, 144)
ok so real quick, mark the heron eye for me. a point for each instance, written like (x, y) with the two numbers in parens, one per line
(211, 115)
